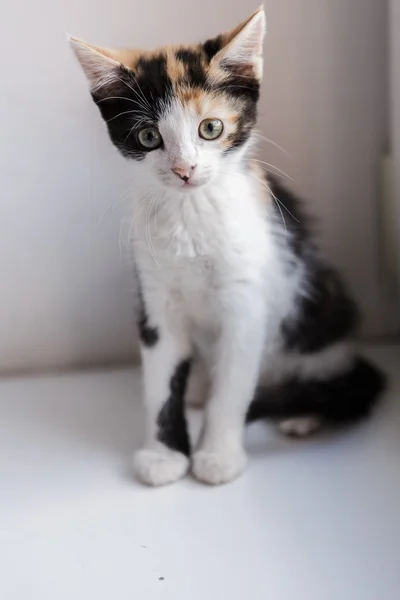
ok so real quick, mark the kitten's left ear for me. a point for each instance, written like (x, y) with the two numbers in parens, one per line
(100, 65)
(243, 49)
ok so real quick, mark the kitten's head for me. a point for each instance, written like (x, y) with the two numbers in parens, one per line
(184, 112)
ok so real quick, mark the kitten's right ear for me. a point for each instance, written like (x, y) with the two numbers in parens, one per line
(100, 65)
(242, 52)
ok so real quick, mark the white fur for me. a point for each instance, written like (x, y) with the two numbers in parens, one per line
(213, 266)
(317, 365)
(212, 259)
(204, 282)
(216, 468)
(199, 384)
(159, 465)
(184, 148)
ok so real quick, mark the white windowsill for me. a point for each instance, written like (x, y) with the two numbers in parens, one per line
(312, 520)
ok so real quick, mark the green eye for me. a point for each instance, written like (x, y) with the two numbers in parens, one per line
(150, 138)
(211, 129)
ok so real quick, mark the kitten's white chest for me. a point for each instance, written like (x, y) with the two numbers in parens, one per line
(202, 249)
(207, 233)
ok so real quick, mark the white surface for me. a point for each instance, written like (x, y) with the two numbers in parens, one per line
(311, 520)
(324, 101)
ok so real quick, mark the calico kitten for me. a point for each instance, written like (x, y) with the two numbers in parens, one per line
(236, 303)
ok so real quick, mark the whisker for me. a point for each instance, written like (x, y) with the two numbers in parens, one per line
(262, 137)
(279, 208)
(142, 94)
(122, 196)
(283, 176)
(112, 206)
(273, 167)
(155, 215)
(244, 87)
(136, 125)
(132, 220)
(136, 215)
(148, 233)
(126, 112)
(244, 175)
(116, 98)
(283, 205)
(279, 203)
(145, 105)
(120, 238)
(266, 186)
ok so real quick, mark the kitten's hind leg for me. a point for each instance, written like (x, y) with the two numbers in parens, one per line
(300, 427)
(302, 404)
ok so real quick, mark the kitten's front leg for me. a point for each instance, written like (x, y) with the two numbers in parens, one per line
(198, 385)
(166, 364)
(221, 457)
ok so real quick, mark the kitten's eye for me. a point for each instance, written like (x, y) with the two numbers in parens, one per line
(211, 129)
(150, 138)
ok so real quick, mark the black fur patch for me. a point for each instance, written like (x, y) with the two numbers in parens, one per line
(326, 312)
(131, 102)
(248, 91)
(245, 124)
(149, 335)
(245, 88)
(153, 80)
(343, 398)
(172, 427)
(324, 316)
(194, 69)
(114, 103)
(211, 47)
(239, 83)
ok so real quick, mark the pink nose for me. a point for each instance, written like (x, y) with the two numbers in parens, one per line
(184, 172)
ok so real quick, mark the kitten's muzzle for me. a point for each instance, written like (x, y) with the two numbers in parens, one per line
(184, 173)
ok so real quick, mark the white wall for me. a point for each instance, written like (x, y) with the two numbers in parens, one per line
(394, 20)
(326, 102)
(64, 297)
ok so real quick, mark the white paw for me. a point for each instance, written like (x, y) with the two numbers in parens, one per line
(160, 466)
(215, 468)
(300, 426)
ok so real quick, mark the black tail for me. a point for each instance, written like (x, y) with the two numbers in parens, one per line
(341, 399)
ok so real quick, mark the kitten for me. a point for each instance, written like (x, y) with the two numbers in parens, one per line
(236, 303)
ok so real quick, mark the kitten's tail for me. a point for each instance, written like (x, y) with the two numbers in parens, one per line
(344, 398)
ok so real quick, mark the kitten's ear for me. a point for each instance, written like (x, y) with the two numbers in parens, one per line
(100, 65)
(243, 49)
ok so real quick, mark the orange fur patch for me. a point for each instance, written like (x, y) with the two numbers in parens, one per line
(175, 67)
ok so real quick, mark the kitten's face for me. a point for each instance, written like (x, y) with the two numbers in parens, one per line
(185, 113)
